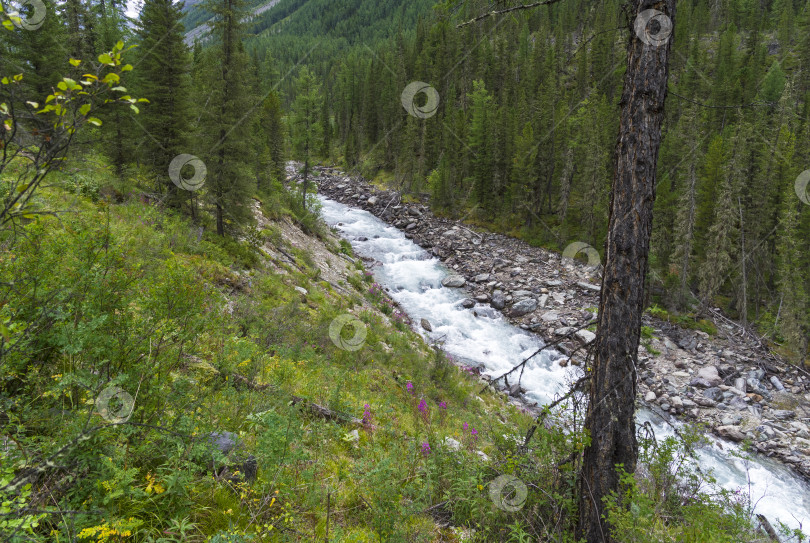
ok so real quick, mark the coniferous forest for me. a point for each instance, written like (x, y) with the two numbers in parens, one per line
(175, 359)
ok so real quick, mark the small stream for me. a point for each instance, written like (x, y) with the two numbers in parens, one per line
(413, 277)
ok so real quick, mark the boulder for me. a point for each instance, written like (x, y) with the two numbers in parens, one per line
(498, 300)
(452, 444)
(426, 325)
(704, 402)
(467, 303)
(710, 375)
(730, 432)
(224, 442)
(781, 414)
(523, 307)
(454, 281)
(777, 384)
(585, 336)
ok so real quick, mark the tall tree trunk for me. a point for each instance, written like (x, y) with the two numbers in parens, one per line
(610, 419)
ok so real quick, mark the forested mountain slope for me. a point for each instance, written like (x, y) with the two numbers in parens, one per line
(523, 140)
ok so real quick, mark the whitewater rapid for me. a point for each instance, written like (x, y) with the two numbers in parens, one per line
(482, 336)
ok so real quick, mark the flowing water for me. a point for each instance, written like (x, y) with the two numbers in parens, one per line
(481, 336)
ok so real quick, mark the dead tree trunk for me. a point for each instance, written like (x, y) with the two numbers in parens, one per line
(610, 419)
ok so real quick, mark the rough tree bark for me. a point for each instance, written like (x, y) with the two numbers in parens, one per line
(610, 419)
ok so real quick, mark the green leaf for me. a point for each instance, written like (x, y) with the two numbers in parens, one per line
(105, 59)
(119, 89)
(75, 62)
(111, 78)
(61, 86)
(84, 109)
(94, 121)
(8, 24)
(126, 68)
(134, 108)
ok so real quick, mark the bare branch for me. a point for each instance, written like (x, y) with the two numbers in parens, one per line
(508, 10)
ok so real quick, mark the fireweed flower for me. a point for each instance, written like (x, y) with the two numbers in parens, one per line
(366, 414)
(423, 407)
(474, 433)
(425, 449)
(465, 426)
(409, 386)
(442, 405)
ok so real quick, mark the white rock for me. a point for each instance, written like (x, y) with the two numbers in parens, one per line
(585, 336)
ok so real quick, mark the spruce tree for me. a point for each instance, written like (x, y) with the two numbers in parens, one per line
(226, 121)
(164, 78)
(307, 129)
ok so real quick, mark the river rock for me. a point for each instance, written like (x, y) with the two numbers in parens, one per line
(522, 294)
(372, 201)
(481, 278)
(585, 336)
(777, 384)
(467, 303)
(730, 432)
(454, 281)
(781, 414)
(649, 397)
(710, 375)
(426, 325)
(704, 402)
(589, 286)
(524, 307)
(498, 300)
(302, 290)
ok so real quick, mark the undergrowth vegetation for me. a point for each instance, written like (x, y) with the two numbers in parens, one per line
(135, 343)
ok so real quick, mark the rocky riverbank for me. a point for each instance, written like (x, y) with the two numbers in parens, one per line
(727, 381)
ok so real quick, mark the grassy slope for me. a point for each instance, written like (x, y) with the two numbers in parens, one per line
(134, 297)
(210, 335)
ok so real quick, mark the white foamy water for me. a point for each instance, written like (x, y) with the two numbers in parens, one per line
(413, 277)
